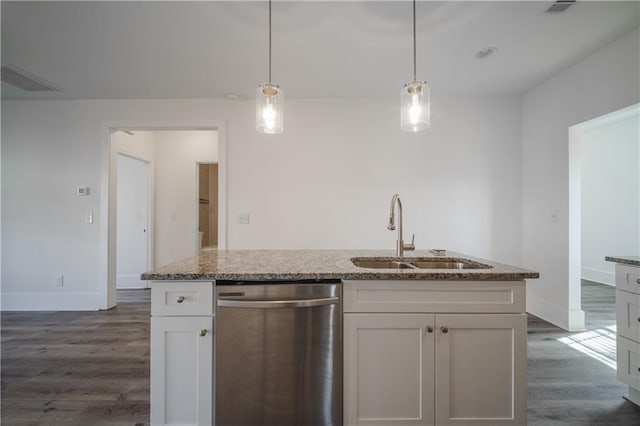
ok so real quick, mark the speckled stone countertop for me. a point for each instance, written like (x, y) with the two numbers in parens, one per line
(272, 265)
(628, 260)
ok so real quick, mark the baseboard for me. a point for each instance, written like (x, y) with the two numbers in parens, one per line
(598, 276)
(130, 281)
(51, 301)
(556, 315)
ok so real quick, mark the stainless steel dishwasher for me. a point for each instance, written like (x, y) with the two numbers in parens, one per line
(278, 354)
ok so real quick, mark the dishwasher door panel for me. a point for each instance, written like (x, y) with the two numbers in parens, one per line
(279, 366)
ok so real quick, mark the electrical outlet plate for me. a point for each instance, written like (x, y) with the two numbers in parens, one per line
(59, 280)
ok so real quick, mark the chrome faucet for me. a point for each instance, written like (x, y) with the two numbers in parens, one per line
(400, 245)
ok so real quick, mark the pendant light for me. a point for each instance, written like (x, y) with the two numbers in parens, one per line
(269, 101)
(415, 104)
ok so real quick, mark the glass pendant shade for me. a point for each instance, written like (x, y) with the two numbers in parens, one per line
(415, 107)
(269, 108)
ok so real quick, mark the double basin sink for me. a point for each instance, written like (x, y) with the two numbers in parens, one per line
(417, 263)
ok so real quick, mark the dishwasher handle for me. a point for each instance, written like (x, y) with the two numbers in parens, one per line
(274, 304)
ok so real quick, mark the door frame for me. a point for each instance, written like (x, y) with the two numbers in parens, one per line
(150, 213)
(107, 218)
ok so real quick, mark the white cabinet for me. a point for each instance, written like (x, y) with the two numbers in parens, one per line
(481, 369)
(181, 353)
(389, 369)
(456, 367)
(628, 328)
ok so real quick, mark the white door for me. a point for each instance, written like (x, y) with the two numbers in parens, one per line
(132, 224)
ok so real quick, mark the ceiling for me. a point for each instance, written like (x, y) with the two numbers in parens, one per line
(321, 49)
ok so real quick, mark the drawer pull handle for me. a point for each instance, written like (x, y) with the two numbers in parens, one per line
(180, 299)
(445, 330)
(430, 329)
(203, 332)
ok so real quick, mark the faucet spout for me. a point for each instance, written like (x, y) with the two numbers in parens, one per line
(391, 226)
(400, 245)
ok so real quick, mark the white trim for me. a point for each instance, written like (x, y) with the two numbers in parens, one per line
(555, 314)
(130, 281)
(599, 276)
(52, 301)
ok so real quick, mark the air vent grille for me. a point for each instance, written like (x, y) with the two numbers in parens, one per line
(25, 80)
(560, 6)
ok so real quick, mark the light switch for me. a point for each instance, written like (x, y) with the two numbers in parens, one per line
(89, 218)
(243, 218)
(83, 190)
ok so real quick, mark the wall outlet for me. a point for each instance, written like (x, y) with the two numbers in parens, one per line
(59, 280)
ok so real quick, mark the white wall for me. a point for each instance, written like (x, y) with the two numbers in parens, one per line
(177, 155)
(324, 183)
(603, 82)
(328, 180)
(610, 194)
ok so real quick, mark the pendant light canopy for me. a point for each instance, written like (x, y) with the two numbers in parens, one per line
(269, 101)
(415, 97)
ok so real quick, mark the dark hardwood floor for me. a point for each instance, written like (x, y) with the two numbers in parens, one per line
(569, 386)
(77, 368)
(92, 368)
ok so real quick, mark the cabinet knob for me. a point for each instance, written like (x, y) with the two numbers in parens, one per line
(203, 332)
(445, 330)
(180, 299)
(430, 329)
(638, 280)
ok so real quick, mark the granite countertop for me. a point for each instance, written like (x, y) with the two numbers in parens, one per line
(321, 264)
(628, 260)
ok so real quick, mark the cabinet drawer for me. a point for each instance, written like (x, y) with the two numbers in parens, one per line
(434, 296)
(628, 278)
(628, 314)
(180, 298)
(628, 354)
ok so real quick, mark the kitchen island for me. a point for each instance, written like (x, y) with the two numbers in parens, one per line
(438, 339)
(628, 323)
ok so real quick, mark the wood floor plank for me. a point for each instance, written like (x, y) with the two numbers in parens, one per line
(92, 368)
(77, 368)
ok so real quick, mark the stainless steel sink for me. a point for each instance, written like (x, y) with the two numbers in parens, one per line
(417, 263)
(380, 264)
(448, 265)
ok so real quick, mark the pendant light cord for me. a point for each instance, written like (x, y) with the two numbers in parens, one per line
(414, 39)
(270, 41)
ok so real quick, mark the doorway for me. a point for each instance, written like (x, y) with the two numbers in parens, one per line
(207, 206)
(604, 197)
(171, 150)
(132, 211)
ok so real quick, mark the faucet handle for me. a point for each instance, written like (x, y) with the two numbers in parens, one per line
(412, 246)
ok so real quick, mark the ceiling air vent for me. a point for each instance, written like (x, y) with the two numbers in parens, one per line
(560, 6)
(25, 80)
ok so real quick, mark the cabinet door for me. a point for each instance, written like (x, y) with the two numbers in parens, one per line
(628, 356)
(481, 369)
(181, 370)
(628, 278)
(628, 315)
(388, 370)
